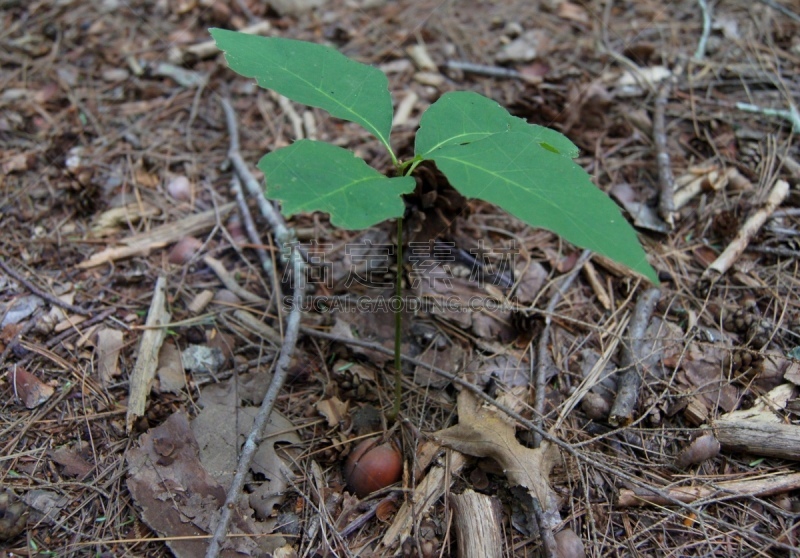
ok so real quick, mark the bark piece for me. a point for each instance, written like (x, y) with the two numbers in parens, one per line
(145, 368)
(475, 519)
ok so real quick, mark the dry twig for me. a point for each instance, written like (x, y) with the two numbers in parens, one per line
(147, 360)
(738, 245)
(666, 181)
(275, 386)
(52, 299)
(249, 225)
(630, 379)
(282, 234)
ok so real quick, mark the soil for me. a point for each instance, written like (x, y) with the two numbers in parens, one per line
(124, 251)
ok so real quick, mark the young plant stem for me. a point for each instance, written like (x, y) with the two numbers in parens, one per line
(398, 323)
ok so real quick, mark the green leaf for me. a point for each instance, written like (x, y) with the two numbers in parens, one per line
(314, 75)
(544, 189)
(313, 176)
(463, 117)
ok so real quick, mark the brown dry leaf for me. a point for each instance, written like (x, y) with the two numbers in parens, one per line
(29, 389)
(74, 459)
(223, 421)
(19, 162)
(707, 379)
(13, 515)
(171, 376)
(483, 432)
(450, 358)
(703, 448)
(334, 410)
(145, 178)
(177, 495)
(107, 348)
(644, 216)
(793, 373)
(572, 12)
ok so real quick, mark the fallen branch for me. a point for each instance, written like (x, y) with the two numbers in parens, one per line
(700, 53)
(491, 71)
(230, 283)
(52, 299)
(738, 245)
(249, 225)
(208, 49)
(260, 422)
(630, 378)
(729, 489)
(282, 235)
(254, 188)
(666, 181)
(141, 244)
(761, 430)
(792, 115)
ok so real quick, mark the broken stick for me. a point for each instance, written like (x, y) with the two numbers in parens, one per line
(630, 379)
(753, 224)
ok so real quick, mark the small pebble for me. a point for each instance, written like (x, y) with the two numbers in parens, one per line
(184, 250)
(180, 189)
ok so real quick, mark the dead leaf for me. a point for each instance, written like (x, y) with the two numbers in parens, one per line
(508, 370)
(644, 216)
(29, 389)
(482, 432)
(177, 495)
(572, 12)
(450, 358)
(13, 515)
(171, 377)
(74, 459)
(334, 410)
(107, 348)
(707, 378)
(703, 448)
(218, 427)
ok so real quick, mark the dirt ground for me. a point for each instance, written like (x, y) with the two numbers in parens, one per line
(124, 250)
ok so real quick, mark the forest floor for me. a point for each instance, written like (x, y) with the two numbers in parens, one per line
(124, 250)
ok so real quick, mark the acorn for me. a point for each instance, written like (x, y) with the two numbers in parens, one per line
(372, 466)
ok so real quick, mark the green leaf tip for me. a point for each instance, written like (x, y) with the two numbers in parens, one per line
(545, 189)
(314, 75)
(314, 176)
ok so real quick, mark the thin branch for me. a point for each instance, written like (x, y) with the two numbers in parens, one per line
(753, 224)
(282, 235)
(666, 181)
(52, 299)
(276, 385)
(792, 115)
(630, 379)
(275, 220)
(782, 9)
(545, 532)
(485, 70)
(700, 53)
(543, 360)
(249, 225)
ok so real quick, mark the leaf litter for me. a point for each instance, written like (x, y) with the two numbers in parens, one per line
(125, 141)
